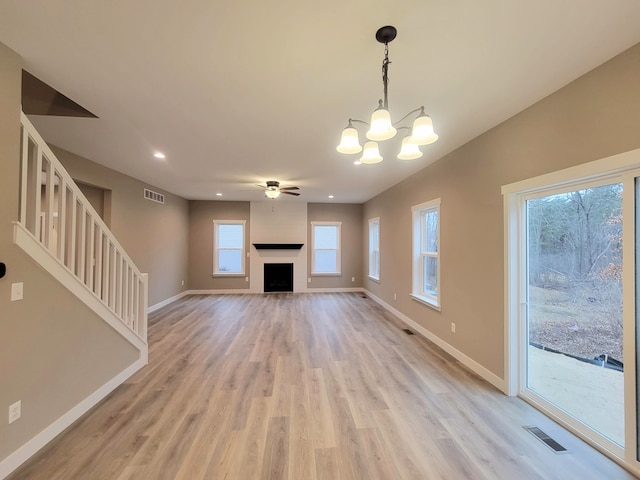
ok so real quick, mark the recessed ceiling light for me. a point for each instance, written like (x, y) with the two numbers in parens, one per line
(159, 155)
(218, 194)
(330, 196)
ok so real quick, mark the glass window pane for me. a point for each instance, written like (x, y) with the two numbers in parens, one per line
(430, 269)
(374, 236)
(325, 260)
(230, 261)
(377, 264)
(575, 302)
(374, 263)
(431, 231)
(230, 236)
(325, 236)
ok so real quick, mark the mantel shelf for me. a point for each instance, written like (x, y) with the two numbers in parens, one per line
(278, 246)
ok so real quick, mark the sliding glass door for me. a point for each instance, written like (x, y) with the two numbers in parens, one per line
(574, 304)
(572, 278)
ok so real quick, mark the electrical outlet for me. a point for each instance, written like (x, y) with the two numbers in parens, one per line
(246, 279)
(182, 282)
(395, 297)
(17, 291)
(15, 411)
(353, 279)
(309, 280)
(453, 327)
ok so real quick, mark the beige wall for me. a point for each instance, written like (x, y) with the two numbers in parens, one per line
(351, 242)
(202, 214)
(154, 235)
(596, 116)
(97, 198)
(54, 352)
(201, 217)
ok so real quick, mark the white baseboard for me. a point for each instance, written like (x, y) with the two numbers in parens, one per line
(335, 290)
(26, 451)
(471, 364)
(247, 291)
(236, 291)
(166, 302)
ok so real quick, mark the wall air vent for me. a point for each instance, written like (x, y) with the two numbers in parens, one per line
(153, 196)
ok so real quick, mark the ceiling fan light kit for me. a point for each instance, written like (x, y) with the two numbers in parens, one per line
(381, 128)
(273, 190)
(272, 193)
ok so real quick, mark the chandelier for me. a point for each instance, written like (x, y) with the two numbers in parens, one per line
(380, 126)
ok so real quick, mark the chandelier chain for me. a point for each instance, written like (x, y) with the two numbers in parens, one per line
(385, 76)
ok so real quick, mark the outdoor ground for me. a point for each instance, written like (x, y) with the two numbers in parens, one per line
(593, 394)
(585, 323)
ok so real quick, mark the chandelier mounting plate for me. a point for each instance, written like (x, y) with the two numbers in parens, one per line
(386, 34)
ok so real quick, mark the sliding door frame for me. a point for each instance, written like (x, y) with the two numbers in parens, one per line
(622, 168)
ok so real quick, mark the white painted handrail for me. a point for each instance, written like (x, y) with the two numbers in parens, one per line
(59, 217)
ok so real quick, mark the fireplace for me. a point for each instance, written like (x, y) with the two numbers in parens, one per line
(278, 277)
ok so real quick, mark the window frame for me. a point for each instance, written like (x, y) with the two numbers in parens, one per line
(338, 249)
(420, 254)
(216, 249)
(374, 249)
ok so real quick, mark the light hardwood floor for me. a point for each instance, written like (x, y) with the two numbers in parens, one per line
(305, 387)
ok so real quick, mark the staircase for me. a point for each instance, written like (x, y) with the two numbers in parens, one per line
(61, 231)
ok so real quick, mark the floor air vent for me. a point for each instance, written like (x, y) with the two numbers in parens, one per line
(407, 331)
(546, 439)
(153, 196)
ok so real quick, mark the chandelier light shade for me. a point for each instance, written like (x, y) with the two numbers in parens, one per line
(381, 127)
(423, 133)
(371, 153)
(410, 149)
(349, 143)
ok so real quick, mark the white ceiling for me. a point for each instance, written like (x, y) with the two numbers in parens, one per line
(240, 92)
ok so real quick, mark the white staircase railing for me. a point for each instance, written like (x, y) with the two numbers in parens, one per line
(57, 215)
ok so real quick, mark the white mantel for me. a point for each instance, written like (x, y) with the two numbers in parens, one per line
(276, 221)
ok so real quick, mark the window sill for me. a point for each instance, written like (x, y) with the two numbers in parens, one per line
(374, 279)
(429, 302)
(326, 274)
(230, 274)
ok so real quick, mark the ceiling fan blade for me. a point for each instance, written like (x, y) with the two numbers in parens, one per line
(290, 193)
(261, 186)
(289, 188)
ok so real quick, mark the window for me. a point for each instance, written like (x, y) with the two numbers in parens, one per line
(426, 253)
(228, 247)
(325, 246)
(374, 248)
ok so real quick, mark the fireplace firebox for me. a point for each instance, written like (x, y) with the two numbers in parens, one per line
(278, 277)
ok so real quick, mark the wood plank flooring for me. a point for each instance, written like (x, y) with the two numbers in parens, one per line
(305, 387)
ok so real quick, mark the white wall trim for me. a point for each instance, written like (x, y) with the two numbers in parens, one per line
(26, 451)
(236, 291)
(335, 290)
(167, 301)
(247, 291)
(468, 362)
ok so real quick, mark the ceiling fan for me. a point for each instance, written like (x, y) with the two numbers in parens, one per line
(273, 189)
